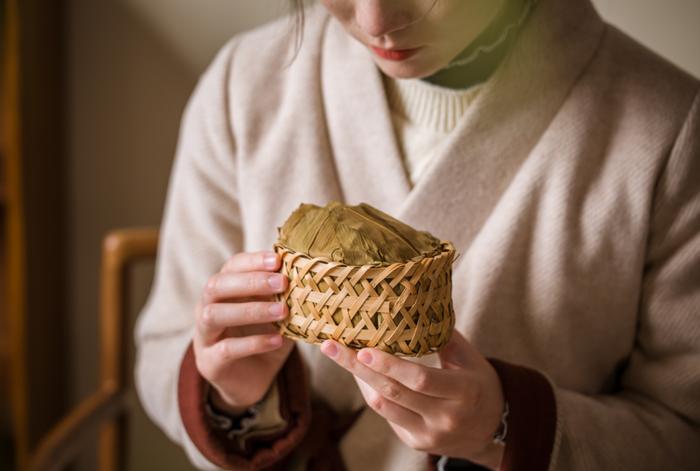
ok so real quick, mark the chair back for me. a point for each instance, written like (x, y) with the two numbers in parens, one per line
(105, 411)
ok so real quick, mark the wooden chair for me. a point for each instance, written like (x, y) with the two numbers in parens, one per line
(106, 409)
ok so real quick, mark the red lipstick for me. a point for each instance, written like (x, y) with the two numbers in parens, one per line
(394, 54)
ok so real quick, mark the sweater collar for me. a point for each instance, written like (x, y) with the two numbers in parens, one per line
(428, 106)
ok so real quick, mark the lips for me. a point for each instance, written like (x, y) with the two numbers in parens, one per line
(394, 54)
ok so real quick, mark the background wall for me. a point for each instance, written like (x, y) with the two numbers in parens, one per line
(671, 27)
(131, 66)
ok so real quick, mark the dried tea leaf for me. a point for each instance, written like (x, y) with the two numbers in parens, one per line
(354, 235)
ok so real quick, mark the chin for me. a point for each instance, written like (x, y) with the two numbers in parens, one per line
(406, 70)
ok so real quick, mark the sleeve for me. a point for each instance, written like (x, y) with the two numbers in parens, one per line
(261, 418)
(269, 418)
(653, 421)
(200, 230)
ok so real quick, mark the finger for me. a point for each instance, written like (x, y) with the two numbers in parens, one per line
(252, 261)
(217, 317)
(252, 329)
(387, 387)
(234, 348)
(422, 379)
(391, 411)
(458, 353)
(231, 285)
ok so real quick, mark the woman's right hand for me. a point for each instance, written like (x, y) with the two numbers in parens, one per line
(237, 348)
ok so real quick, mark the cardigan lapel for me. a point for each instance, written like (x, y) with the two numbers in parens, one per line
(368, 157)
(501, 128)
(458, 191)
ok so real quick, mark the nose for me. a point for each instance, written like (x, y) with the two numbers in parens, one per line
(380, 17)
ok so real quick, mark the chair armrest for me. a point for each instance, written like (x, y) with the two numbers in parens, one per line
(98, 412)
(119, 248)
(67, 438)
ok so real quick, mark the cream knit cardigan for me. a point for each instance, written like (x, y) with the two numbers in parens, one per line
(571, 187)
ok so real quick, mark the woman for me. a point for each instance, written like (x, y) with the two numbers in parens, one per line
(559, 156)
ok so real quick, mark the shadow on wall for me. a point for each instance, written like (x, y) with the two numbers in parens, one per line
(132, 64)
(670, 28)
(196, 30)
(148, 449)
(126, 89)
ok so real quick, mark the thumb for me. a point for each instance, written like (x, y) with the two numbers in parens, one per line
(457, 353)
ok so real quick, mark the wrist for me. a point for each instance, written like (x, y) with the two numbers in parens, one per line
(492, 454)
(490, 457)
(219, 401)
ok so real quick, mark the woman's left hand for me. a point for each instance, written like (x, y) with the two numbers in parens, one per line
(453, 411)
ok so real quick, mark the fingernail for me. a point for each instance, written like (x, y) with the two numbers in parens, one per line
(329, 348)
(275, 281)
(365, 357)
(277, 310)
(275, 340)
(270, 260)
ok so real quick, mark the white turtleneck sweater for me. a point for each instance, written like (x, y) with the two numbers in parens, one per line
(423, 115)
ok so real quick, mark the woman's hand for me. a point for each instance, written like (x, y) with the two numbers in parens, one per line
(237, 348)
(452, 411)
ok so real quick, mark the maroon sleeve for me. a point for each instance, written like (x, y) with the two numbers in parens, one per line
(262, 452)
(531, 419)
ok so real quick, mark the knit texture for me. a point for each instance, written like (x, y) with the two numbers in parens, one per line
(423, 115)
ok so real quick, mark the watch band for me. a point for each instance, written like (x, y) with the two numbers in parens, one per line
(499, 438)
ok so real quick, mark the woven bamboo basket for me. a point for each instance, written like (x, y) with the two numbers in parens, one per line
(401, 308)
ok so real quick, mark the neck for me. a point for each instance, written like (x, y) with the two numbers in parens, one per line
(475, 63)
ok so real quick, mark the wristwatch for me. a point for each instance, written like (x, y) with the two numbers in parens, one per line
(446, 463)
(499, 438)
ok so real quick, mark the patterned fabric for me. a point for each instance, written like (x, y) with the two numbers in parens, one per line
(260, 419)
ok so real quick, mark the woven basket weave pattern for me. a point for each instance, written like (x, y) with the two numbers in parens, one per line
(402, 308)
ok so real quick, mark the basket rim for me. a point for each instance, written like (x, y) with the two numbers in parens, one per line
(447, 248)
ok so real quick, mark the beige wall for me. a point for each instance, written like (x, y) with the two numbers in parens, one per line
(131, 66)
(196, 29)
(670, 27)
(125, 92)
